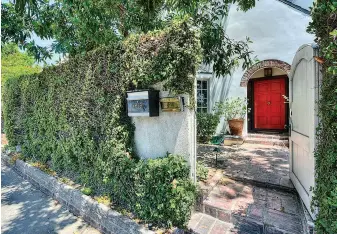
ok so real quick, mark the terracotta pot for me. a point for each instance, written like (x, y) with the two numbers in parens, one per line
(236, 126)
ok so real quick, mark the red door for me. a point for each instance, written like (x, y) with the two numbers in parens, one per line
(269, 106)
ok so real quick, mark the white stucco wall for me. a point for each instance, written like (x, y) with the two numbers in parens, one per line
(170, 132)
(276, 29)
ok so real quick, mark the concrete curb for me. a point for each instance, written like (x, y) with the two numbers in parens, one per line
(98, 215)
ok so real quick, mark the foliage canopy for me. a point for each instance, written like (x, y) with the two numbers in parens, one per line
(15, 63)
(79, 26)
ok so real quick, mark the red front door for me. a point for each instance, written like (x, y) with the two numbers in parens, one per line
(269, 106)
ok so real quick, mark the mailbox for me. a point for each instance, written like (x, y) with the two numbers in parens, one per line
(143, 103)
(171, 104)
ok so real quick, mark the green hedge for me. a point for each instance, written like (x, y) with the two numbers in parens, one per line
(324, 26)
(206, 126)
(208, 122)
(73, 115)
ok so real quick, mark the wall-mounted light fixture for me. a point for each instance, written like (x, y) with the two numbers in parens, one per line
(268, 72)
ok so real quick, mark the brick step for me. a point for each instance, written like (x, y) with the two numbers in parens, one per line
(266, 141)
(228, 208)
(250, 208)
(203, 223)
(268, 136)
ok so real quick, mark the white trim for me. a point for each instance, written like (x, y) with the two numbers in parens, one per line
(204, 76)
(208, 94)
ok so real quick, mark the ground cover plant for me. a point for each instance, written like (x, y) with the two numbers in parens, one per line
(73, 118)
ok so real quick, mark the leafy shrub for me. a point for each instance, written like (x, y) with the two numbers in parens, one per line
(324, 25)
(11, 105)
(73, 116)
(202, 171)
(206, 126)
(163, 190)
(208, 122)
(234, 108)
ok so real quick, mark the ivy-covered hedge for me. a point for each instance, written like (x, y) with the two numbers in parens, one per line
(73, 116)
(324, 26)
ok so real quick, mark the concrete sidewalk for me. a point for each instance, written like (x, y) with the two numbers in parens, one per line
(25, 209)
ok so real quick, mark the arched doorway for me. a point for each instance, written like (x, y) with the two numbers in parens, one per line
(267, 86)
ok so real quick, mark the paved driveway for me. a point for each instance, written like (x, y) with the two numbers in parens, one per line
(25, 209)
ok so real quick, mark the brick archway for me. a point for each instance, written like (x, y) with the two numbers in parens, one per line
(273, 63)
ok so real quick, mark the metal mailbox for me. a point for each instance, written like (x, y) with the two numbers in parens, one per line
(143, 103)
(171, 104)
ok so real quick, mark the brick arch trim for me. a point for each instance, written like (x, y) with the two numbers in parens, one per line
(273, 63)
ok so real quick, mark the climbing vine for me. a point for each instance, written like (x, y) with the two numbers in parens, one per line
(169, 56)
(73, 117)
(324, 26)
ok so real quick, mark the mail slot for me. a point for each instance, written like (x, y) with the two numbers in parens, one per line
(143, 103)
(171, 104)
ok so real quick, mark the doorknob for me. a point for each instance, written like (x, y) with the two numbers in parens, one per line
(268, 103)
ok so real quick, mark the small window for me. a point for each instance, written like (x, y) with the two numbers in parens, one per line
(202, 96)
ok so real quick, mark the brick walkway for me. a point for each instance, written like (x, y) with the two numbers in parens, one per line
(254, 162)
(245, 208)
(248, 191)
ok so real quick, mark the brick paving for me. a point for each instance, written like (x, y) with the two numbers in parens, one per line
(264, 164)
(236, 198)
(202, 223)
(244, 208)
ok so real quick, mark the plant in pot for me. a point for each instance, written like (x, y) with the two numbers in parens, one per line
(234, 111)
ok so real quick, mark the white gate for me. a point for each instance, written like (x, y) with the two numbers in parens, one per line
(304, 93)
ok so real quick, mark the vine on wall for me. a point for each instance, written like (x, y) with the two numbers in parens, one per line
(324, 26)
(73, 117)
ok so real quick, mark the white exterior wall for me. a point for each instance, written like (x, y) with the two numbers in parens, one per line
(170, 132)
(276, 29)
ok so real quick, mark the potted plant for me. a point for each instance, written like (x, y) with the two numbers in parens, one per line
(234, 111)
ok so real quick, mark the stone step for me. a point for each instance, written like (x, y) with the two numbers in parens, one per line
(267, 141)
(252, 209)
(284, 184)
(268, 136)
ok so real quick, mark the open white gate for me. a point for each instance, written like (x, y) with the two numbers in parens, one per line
(304, 93)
